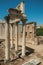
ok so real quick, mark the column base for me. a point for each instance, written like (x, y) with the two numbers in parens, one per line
(5, 61)
(23, 56)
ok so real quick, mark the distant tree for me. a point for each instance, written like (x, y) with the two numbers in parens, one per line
(39, 32)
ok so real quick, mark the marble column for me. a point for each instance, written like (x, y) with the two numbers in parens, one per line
(11, 35)
(16, 39)
(23, 41)
(7, 39)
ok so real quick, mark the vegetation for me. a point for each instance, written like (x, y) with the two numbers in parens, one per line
(39, 32)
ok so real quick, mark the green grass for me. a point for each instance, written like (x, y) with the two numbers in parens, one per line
(39, 32)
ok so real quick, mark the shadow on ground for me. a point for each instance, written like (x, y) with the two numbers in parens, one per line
(29, 51)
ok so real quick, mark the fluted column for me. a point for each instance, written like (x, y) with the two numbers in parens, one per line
(16, 39)
(23, 41)
(7, 39)
(11, 35)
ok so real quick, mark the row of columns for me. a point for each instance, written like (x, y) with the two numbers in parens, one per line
(23, 40)
(7, 40)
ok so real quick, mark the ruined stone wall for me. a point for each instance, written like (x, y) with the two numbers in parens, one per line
(30, 32)
(2, 30)
(40, 39)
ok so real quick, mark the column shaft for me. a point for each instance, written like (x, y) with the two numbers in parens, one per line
(7, 41)
(11, 36)
(16, 39)
(23, 41)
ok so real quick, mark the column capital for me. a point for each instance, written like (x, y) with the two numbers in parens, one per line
(16, 23)
(11, 24)
(7, 18)
(24, 23)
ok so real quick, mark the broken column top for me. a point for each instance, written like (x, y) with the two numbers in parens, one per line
(17, 13)
(7, 18)
(11, 10)
(21, 7)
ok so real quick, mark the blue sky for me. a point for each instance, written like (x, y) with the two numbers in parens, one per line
(33, 9)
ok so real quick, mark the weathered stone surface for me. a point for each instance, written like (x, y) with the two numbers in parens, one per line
(33, 62)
